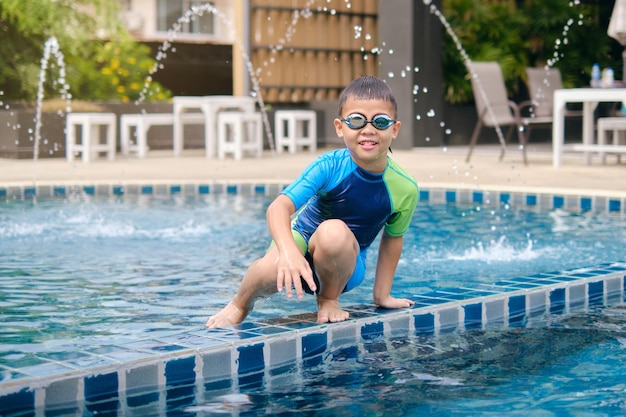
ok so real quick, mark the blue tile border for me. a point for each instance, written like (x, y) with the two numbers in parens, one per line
(534, 200)
(248, 353)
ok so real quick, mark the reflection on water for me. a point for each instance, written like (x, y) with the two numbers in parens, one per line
(563, 366)
(512, 371)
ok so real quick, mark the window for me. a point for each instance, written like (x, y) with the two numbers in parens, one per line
(169, 11)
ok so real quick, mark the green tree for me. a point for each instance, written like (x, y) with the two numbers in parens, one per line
(116, 70)
(95, 68)
(568, 35)
(488, 31)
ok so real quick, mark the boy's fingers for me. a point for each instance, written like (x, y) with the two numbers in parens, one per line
(283, 281)
(279, 282)
(294, 282)
(297, 283)
(288, 285)
(308, 278)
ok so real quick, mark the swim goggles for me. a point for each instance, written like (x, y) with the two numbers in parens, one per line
(358, 121)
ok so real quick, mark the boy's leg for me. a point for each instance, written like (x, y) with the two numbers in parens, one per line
(334, 249)
(259, 281)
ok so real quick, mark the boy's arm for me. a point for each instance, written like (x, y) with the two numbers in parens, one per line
(388, 257)
(291, 261)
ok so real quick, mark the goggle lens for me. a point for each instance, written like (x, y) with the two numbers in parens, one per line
(358, 121)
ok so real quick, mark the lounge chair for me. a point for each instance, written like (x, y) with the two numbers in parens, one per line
(493, 106)
(538, 110)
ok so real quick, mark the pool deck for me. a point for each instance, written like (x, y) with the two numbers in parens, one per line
(433, 166)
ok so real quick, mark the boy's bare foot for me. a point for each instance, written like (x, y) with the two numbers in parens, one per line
(328, 311)
(228, 316)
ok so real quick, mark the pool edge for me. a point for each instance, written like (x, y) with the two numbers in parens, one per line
(256, 350)
(599, 201)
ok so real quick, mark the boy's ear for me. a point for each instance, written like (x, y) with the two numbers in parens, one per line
(396, 128)
(338, 127)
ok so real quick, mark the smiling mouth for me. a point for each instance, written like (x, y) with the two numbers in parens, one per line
(368, 143)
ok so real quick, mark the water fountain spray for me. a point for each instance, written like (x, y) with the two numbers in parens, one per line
(199, 10)
(468, 65)
(51, 47)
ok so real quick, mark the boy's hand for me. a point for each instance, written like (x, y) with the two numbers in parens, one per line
(392, 302)
(292, 266)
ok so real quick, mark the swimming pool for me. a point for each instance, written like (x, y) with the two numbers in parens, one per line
(145, 288)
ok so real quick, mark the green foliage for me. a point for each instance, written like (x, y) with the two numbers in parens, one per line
(532, 33)
(95, 69)
(572, 35)
(117, 70)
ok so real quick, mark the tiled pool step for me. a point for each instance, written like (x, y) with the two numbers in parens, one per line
(538, 200)
(132, 375)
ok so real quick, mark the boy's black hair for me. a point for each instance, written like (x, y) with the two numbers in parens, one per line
(368, 87)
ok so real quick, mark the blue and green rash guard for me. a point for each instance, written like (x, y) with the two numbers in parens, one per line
(335, 187)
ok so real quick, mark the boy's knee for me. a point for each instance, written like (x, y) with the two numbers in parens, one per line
(263, 266)
(335, 236)
(333, 230)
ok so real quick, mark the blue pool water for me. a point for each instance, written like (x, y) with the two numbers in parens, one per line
(82, 271)
(158, 265)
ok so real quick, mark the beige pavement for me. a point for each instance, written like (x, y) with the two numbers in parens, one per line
(432, 167)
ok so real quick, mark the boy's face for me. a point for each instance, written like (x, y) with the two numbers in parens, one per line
(368, 145)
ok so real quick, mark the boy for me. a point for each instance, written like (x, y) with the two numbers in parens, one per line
(342, 200)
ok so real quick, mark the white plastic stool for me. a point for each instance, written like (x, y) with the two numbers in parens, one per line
(615, 125)
(295, 129)
(91, 143)
(238, 132)
(142, 123)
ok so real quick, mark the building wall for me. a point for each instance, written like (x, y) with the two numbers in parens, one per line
(305, 50)
(196, 69)
(141, 20)
(194, 64)
(414, 35)
(299, 50)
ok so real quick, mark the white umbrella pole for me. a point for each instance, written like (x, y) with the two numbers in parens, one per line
(617, 30)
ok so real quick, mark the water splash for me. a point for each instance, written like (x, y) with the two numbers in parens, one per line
(199, 10)
(556, 55)
(308, 11)
(468, 65)
(305, 12)
(51, 49)
(498, 251)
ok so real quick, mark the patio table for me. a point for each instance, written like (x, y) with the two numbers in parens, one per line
(590, 97)
(209, 106)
